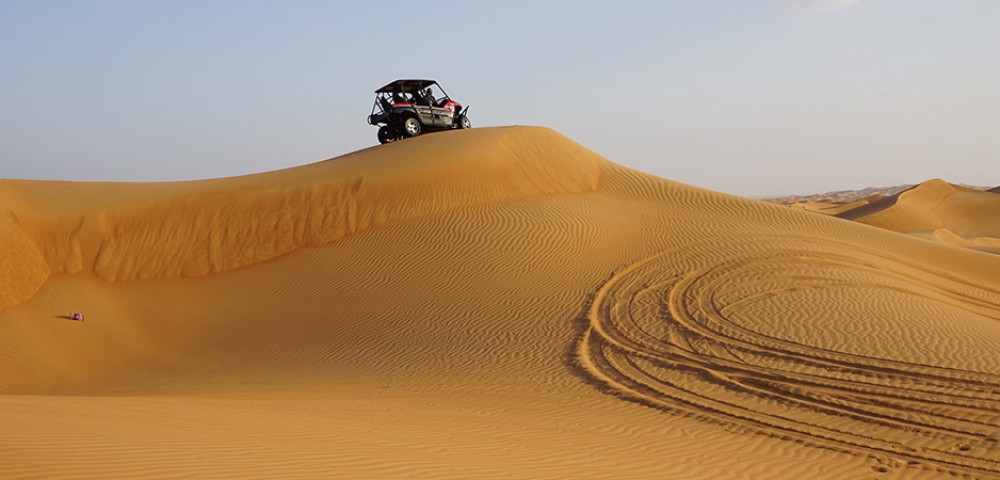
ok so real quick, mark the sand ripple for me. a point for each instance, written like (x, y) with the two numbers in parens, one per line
(694, 331)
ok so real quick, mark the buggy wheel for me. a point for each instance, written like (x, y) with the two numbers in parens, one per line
(464, 122)
(386, 135)
(411, 127)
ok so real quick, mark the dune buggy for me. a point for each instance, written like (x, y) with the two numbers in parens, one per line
(407, 108)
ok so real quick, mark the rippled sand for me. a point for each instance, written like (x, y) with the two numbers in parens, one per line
(487, 303)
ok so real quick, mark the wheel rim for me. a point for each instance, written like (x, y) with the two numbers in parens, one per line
(412, 128)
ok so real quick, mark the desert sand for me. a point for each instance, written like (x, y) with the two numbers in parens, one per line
(491, 303)
(934, 210)
(938, 210)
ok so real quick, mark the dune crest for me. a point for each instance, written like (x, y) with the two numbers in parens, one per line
(936, 210)
(907, 211)
(199, 228)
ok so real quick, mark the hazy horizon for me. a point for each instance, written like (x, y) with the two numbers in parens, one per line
(755, 97)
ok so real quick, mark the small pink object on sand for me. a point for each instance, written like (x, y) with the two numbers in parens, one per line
(77, 316)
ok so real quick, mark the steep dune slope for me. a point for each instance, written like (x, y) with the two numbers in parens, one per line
(21, 264)
(937, 210)
(142, 231)
(487, 303)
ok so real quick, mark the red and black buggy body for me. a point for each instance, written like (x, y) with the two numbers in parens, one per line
(408, 107)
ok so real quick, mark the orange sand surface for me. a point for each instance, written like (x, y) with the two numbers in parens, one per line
(487, 303)
(832, 207)
(940, 211)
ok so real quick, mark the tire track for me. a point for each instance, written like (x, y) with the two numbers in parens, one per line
(690, 331)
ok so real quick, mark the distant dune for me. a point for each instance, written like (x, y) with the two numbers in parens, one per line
(934, 210)
(495, 302)
(940, 211)
(839, 197)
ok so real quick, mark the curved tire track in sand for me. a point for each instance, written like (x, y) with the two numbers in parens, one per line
(671, 332)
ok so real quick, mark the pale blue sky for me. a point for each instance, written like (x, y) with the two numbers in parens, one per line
(752, 97)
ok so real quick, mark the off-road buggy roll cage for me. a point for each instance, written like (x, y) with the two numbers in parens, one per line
(404, 109)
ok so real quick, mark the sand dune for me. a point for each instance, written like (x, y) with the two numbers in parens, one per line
(939, 211)
(834, 207)
(144, 231)
(832, 203)
(488, 303)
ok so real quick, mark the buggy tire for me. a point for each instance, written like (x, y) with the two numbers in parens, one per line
(411, 127)
(464, 122)
(386, 135)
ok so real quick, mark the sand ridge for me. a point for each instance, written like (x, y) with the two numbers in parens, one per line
(198, 228)
(936, 210)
